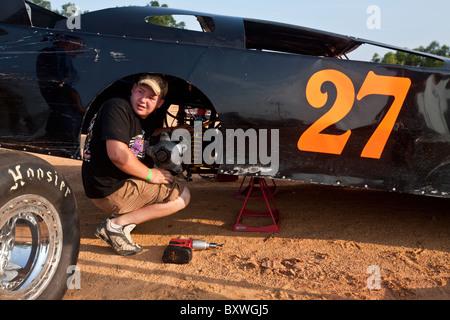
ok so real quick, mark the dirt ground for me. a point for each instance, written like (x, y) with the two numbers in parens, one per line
(330, 240)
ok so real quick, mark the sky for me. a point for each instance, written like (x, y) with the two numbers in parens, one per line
(404, 23)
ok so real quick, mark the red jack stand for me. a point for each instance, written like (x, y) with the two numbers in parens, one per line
(273, 213)
(243, 193)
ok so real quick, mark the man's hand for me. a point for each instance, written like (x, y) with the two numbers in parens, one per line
(160, 176)
(123, 158)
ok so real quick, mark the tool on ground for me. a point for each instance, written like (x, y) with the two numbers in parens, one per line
(180, 251)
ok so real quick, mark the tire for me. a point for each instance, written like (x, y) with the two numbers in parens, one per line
(39, 229)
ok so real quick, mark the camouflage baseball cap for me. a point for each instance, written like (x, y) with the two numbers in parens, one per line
(156, 83)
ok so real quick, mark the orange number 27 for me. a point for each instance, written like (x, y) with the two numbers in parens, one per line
(313, 140)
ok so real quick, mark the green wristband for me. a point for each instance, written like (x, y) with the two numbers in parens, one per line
(149, 175)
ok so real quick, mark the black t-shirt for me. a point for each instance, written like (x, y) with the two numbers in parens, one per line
(116, 120)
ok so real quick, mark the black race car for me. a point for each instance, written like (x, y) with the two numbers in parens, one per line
(304, 111)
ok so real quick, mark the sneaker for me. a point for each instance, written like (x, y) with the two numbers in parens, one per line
(119, 240)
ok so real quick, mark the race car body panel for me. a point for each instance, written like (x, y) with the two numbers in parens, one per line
(336, 121)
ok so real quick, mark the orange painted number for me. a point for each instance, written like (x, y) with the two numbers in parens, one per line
(313, 140)
(386, 86)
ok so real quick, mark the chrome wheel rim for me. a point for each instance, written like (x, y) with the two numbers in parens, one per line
(31, 240)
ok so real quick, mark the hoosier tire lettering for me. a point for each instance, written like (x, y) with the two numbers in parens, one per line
(39, 174)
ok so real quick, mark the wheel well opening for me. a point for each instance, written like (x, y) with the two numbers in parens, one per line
(184, 105)
(182, 98)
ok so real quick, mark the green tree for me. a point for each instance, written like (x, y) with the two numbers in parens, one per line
(403, 58)
(42, 3)
(164, 20)
(65, 8)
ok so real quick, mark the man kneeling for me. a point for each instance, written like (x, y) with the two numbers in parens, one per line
(114, 176)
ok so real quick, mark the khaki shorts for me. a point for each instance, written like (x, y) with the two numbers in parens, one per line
(136, 194)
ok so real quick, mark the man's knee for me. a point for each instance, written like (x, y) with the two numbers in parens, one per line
(186, 197)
